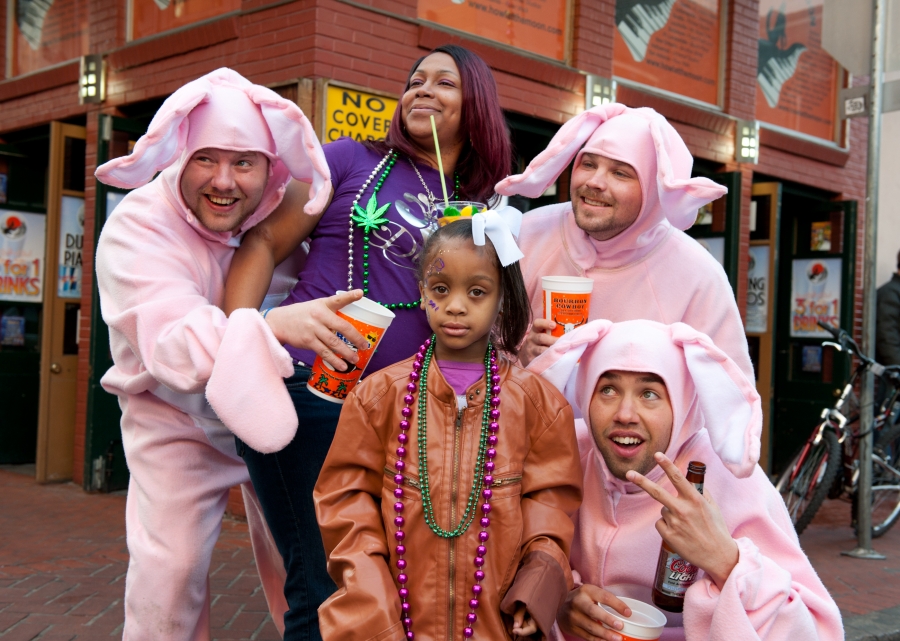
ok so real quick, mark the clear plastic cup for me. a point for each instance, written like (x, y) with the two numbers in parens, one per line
(646, 622)
(464, 209)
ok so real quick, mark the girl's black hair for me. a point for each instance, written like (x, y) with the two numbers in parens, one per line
(515, 308)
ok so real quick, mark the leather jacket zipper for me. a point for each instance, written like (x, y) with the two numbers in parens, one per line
(408, 480)
(453, 494)
(509, 480)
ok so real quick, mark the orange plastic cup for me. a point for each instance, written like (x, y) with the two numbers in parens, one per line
(646, 623)
(567, 301)
(371, 320)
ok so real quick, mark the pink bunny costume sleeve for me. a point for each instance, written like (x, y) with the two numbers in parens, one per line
(668, 277)
(773, 593)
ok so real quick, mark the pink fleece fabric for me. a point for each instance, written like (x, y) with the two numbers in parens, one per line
(185, 373)
(652, 270)
(773, 592)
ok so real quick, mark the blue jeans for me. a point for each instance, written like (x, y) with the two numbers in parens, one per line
(284, 482)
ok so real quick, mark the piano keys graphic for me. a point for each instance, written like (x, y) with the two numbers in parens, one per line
(30, 16)
(638, 20)
(777, 62)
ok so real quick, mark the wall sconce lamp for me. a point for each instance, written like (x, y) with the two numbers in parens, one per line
(746, 144)
(599, 91)
(92, 79)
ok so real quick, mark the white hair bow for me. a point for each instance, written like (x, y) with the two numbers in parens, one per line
(502, 227)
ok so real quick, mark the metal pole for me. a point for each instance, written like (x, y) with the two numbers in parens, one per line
(864, 549)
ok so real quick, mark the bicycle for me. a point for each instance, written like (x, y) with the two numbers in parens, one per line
(813, 473)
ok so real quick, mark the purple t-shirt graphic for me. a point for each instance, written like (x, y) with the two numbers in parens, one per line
(394, 248)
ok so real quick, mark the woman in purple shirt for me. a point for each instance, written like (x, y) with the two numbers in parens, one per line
(457, 88)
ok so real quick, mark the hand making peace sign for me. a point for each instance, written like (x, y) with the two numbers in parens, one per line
(691, 523)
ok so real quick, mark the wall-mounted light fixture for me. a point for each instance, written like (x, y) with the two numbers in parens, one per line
(746, 143)
(92, 79)
(599, 91)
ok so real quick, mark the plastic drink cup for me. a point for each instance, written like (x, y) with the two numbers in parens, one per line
(567, 301)
(457, 210)
(646, 623)
(371, 320)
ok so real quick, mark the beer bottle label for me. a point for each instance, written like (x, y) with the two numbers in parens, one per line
(678, 575)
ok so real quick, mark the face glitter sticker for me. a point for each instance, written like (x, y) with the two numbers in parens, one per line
(435, 268)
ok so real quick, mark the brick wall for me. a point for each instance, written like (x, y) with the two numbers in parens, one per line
(373, 43)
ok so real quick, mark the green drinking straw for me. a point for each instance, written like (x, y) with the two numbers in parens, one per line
(437, 149)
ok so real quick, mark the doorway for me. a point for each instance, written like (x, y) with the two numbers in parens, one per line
(23, 215)
(802, 270)
(105, 469)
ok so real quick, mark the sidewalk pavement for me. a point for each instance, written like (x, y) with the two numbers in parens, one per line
(63, 560)
(866, 591)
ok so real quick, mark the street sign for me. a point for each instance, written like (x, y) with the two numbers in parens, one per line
(854, 102)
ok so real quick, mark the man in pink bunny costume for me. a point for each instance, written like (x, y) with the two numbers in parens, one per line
(188, 378)
(631, 196)
(645, 389)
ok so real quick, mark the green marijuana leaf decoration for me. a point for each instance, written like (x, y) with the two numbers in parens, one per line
(371, 217)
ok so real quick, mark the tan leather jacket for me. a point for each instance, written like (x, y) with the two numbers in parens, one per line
(538, 488)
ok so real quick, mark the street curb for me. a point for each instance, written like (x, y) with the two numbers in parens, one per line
(883, 625)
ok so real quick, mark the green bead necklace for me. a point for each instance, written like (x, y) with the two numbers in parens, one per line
(478, 478)
(372, 217)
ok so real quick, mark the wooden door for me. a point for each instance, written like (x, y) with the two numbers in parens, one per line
(62, 306)
(765, 213)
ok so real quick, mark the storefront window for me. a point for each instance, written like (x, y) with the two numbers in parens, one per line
(149, 17)
(538, 26)
(45, 33)
(797, 81)
(671, 45)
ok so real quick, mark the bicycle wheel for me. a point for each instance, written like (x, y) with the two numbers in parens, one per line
(886, 481)
(806, 481)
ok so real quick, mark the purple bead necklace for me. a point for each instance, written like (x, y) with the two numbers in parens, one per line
(481, 484)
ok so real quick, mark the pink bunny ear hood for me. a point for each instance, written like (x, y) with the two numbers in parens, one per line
(224, 110)
(643, 139)
(706, 388)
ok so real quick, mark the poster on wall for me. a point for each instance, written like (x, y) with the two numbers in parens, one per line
(538, 26)
(47, 32)
(796, 81)
(758, 290)
(113, 198)
(12, 330)
(71, 242)
(669, 44)
(22, 256)
(715, 246)
(815, 296)
(357, 114)
(150, 17)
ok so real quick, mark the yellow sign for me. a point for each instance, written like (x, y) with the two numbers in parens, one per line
(357, 114)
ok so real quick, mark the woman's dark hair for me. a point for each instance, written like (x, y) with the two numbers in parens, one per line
(486, 155)
(515, 309)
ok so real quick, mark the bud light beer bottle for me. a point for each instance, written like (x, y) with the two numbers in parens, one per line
(674, 575)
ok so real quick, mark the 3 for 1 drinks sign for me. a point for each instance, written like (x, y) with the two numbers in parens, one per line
(816, 296)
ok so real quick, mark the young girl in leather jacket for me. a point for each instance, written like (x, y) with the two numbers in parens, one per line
(445, 513)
